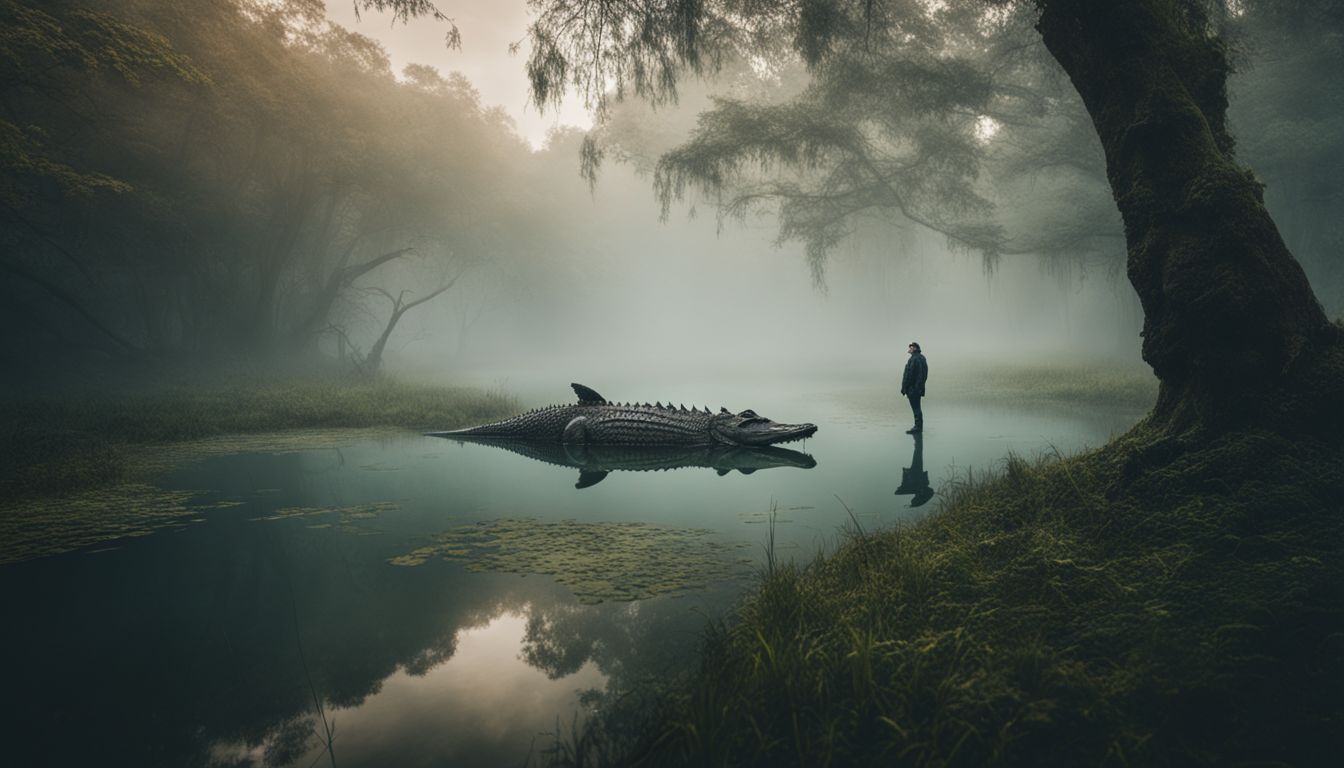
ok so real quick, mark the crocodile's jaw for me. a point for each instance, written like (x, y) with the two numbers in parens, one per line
(774, 434)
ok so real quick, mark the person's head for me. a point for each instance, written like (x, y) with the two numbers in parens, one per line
(913, 348)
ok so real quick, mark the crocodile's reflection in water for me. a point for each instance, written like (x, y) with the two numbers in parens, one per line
(595, 462)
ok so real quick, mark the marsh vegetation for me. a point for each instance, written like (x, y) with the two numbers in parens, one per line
(1042, 615)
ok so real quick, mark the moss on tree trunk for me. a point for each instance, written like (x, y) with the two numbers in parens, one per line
(1231, 326)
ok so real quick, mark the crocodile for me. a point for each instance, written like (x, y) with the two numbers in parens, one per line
(596, 421)
(595, 462)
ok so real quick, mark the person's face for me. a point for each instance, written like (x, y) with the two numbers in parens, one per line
(910, 349)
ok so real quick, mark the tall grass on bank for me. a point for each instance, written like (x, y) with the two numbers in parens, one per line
(1080, 611)
(68, 442)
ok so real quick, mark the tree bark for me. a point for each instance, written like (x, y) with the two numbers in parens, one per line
(1231, 326)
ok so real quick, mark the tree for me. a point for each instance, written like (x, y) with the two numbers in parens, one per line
(373, 361)
(205, 178)
(53, 62)
(976, 119)
(1230, 322)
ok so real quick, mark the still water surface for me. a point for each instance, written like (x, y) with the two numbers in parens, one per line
(228, 641)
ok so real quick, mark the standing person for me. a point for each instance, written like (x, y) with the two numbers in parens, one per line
(912, 384)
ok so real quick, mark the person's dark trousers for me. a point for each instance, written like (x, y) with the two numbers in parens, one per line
(919, 412)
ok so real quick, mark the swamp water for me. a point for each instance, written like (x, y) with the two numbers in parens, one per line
(417, 601)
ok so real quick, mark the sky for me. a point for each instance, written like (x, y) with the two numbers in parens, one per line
(488, 28)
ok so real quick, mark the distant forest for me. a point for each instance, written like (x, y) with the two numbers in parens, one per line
(191, 179)
(225, 178)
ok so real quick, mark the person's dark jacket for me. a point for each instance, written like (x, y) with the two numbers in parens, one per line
(916, 373)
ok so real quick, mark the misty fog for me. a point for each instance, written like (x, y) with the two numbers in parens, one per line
(619, 287)
(280, 210)
(693, 294)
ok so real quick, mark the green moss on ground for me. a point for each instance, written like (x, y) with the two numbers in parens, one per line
(1152, 603)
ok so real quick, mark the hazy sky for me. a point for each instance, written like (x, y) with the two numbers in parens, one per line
(488, 28)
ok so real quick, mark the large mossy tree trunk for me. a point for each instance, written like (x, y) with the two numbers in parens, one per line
(1231, 326)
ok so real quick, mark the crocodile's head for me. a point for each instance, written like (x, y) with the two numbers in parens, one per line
(747, 428)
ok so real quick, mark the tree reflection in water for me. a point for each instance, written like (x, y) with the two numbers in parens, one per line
(204, 668)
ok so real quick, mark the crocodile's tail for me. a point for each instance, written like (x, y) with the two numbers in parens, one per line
(506, 428)
(537, 424)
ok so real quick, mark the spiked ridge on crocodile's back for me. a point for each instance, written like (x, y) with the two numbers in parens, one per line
(596, 421)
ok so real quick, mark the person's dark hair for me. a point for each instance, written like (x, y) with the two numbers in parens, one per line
(915, 344)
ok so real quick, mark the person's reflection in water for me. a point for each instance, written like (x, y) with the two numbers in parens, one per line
(914, 480)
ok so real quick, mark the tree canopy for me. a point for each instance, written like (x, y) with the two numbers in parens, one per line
(211, 177)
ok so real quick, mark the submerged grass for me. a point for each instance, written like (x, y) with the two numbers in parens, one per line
(1152, 603)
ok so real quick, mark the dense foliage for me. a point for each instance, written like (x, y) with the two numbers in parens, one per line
(953, 117)
(200, 178)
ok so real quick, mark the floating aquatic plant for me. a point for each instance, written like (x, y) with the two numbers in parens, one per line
(598, 561)
(51, 524)
(353, 512)
(54, 525)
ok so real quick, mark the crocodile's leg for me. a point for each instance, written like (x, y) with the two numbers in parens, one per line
(576, 431)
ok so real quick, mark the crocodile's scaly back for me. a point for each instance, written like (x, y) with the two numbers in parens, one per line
(594, 420)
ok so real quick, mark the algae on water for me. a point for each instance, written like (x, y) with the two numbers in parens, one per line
(56, 525)
(599, 562)
(50, 525)
(347, 514)
(346, 520)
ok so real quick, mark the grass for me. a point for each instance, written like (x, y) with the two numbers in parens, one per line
(1062, 382)
(76, 441)
(1152, 603)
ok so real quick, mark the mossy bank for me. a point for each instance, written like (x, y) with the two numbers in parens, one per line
(1157, 602)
